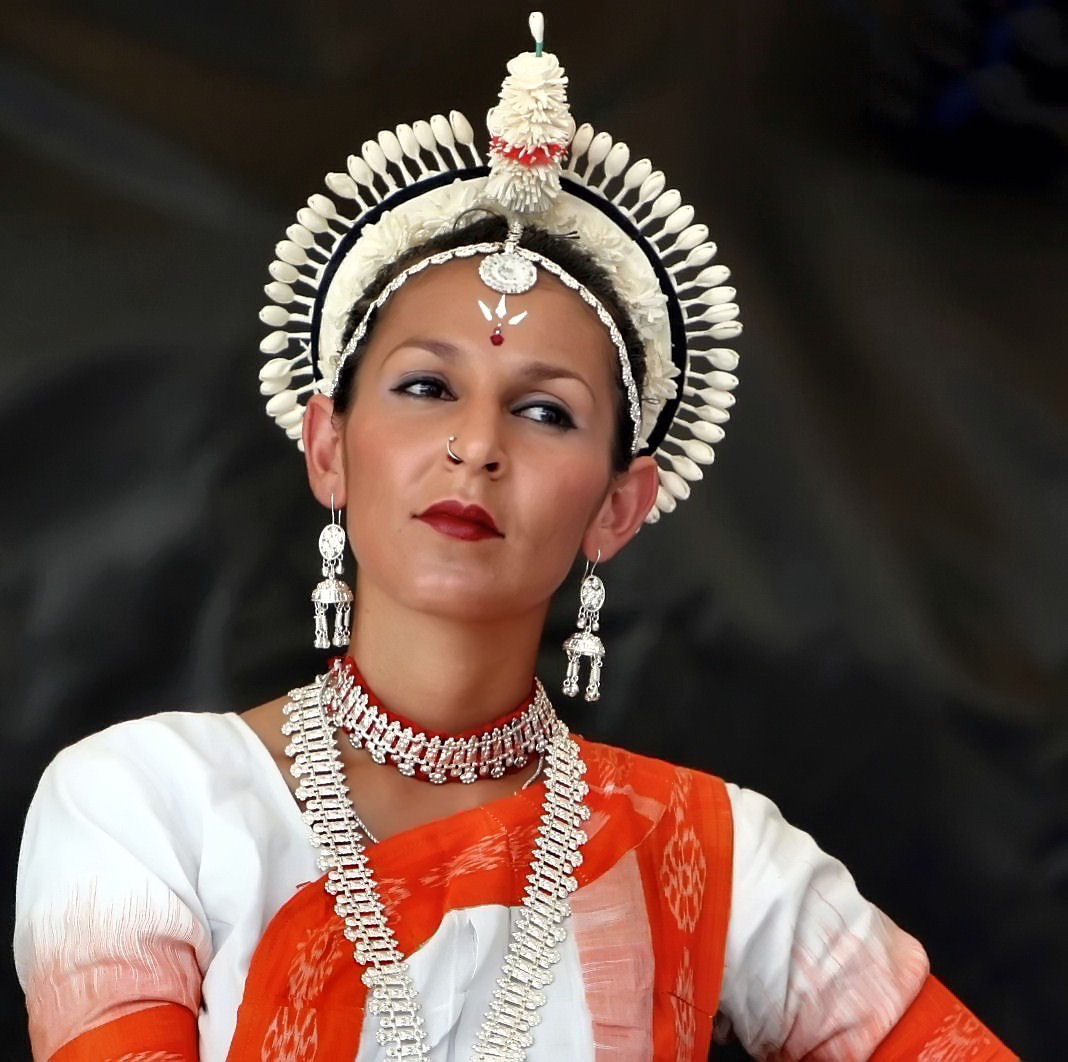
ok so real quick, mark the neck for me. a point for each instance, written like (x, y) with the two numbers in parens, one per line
(445, 674)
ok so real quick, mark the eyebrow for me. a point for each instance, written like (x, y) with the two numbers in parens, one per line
(536, 371)
(434, 346)
(533, 371)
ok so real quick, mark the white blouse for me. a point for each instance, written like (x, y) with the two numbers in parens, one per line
(178, 829)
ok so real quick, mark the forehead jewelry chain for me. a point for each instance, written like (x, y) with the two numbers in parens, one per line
(507, 272)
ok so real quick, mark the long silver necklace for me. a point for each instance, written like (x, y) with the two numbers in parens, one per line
(532, 954)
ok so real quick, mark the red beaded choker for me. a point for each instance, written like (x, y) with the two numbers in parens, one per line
(501, 747)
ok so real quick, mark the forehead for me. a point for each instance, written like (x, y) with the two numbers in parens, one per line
(550, 320)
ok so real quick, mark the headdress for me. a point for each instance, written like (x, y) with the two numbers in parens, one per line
(413, 183)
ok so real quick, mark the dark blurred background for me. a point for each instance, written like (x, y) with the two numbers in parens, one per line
(863, 612)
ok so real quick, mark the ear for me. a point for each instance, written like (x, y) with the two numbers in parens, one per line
(324, 451)
(626, 505)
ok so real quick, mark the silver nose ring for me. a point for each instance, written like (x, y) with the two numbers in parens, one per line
(448, 450)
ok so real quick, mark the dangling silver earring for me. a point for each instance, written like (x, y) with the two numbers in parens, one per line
(332, 590)
(584, 642)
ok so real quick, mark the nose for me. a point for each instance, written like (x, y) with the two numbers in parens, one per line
(475, 439)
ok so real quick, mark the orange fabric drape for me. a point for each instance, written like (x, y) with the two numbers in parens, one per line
(167, 1033)
(304, 998)
(939, 1026)
(660, 837)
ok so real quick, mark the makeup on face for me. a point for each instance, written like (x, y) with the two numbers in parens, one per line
(532, 423)
(502, 316)
(469, 523)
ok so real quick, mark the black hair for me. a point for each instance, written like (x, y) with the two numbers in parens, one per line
(565, 252)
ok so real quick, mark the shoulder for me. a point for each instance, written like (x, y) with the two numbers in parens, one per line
(769, 847)
(612, 767)
(760, 835)
(158, 744)
(148, 801)
(167, 765)
(755, 815)
(659, 800)
(191, 729)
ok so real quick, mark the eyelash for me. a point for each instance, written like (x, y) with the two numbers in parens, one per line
(425, 387)
(558, 416)
(431, 387)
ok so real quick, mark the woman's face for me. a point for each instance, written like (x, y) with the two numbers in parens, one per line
(533, 419)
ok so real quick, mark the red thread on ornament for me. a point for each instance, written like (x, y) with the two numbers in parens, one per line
(538, 156)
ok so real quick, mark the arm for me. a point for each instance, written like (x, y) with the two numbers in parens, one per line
(938, 1026)
(110, 940)
(814, 971)
(164, 1033)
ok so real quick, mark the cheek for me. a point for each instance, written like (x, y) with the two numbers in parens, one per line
(378, 464)
(567, 509)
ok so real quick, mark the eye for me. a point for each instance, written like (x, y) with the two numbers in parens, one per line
(545, 412)
(424, 387)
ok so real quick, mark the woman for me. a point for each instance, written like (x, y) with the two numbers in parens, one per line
(485, 396)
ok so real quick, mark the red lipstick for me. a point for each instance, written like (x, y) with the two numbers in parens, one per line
(467, 522)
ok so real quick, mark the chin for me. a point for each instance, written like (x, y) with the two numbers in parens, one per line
(480, 598)
(475, 605)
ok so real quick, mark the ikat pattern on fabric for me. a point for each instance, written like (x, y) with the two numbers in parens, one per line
(148, 1056)
(685, 1022)
(960, 1038)
(484, 860)
(654, 933)
(293, 1036)
(682, 877)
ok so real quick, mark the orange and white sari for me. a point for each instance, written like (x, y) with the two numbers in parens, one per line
(170, 908)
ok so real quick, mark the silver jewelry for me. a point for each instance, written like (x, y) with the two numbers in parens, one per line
(454, 458)
(331, 590)
(507, 272)
(489, 754)
(584, 643)
(540, 926)
(366, 830)
(363, 827)
(535, 776)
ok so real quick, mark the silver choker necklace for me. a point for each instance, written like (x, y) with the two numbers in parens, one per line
(438, 758)
(540, 926)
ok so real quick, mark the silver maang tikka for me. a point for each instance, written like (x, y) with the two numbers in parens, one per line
(331, 590)
(584, 642)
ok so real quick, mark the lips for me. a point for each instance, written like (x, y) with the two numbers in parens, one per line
(467, 522)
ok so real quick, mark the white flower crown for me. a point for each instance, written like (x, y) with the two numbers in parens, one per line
(414, 183)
